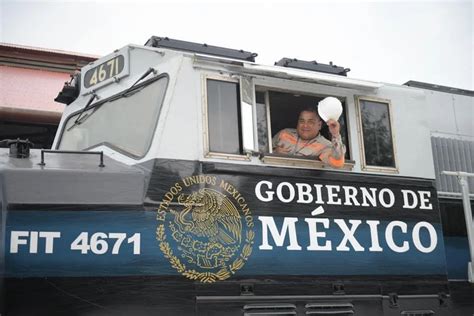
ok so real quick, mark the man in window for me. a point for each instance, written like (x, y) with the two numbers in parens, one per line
(307, 141)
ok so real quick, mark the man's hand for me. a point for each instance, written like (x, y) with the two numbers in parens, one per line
(334, 127)
(281, 150)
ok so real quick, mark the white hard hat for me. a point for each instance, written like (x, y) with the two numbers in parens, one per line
(330, 108)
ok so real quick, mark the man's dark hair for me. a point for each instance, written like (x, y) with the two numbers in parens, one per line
(309, 109)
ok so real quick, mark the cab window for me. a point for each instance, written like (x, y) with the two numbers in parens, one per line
(113, 122)
(375, 125)
(223, 137)
(277, 110)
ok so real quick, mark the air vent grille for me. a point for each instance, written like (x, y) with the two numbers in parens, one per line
(418, 313)
(269, 309)
(330, 308)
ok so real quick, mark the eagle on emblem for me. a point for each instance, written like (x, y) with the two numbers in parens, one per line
(208, 228)
(209, 213)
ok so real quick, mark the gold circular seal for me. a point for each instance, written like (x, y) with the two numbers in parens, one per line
(205, 228)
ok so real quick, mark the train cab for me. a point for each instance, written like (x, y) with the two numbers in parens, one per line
(165, 192)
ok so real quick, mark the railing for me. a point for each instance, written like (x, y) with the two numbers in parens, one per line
(100, 153)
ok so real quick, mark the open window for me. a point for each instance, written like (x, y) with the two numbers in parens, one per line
(376, 135)
(277, 110)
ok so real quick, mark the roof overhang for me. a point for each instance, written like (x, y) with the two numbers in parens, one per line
(250, 68)
(312, 77)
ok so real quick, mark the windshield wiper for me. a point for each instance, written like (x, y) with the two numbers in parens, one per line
(127, 93)
(84, 109)
(130, 91)
(149, 71)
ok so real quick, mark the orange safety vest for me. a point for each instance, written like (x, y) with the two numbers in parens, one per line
(331, 153)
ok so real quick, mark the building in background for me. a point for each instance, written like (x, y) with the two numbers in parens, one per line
(30, 80)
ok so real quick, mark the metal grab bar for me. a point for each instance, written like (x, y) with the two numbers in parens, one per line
(100, 153)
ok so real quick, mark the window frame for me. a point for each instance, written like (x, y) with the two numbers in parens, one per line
(111, 97)
(364, 165)
(205, 116)
(271, 158)
(266, 95)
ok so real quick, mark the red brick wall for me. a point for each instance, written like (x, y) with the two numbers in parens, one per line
(31, 89)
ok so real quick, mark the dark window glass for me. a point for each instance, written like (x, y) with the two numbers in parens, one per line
(378, 144)
(223, 115)
(453, 218)
(262, 128)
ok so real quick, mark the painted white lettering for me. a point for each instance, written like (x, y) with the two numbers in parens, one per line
(416, 237)
(289, 226)
(410, 200)
(304, 193)
(268, 194)
(374, 236)
(314, 234)
(291, 191)
(319, 195)
(389, 236)
(350, 194)
(49, 237)
(33, 242)
(424, 199)
(332, 194)
(98, 243)
(391, 198)
(369, 196)
(16, 240)
(349, 235)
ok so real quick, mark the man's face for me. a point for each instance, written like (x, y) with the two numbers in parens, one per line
(308, 126)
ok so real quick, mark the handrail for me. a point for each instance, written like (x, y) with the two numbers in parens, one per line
(100, 153)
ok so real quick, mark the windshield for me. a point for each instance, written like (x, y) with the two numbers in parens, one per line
(126, 123)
